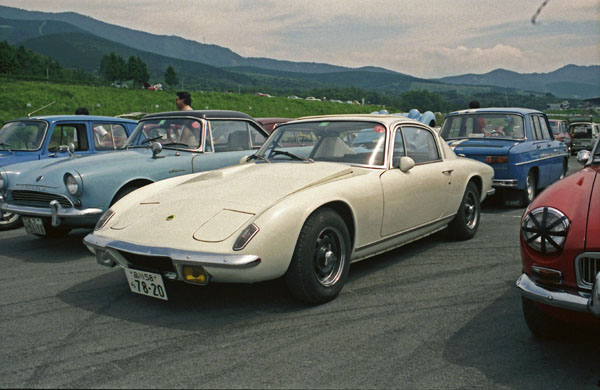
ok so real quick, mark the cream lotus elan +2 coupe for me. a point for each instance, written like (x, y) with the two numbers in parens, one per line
(322, 192)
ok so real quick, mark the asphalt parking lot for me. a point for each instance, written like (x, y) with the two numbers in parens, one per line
(433, 314)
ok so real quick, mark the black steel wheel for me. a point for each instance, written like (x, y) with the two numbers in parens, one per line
(466, 222)
(321, 261)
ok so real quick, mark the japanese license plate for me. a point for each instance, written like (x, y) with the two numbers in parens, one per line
(146, 283)
(34, 225)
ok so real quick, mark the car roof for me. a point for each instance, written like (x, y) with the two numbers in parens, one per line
(387, 119)
(502, 110)
(203, 114)
(53, 118)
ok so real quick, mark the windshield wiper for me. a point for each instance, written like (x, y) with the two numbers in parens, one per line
(292, 155)
(257, 157)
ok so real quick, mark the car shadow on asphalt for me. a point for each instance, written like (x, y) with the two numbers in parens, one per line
(498, 343)
(189, 307)
(27, 247)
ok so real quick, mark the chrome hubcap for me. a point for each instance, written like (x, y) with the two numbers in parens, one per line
(529, 188)
(330, 256)
(8, 218)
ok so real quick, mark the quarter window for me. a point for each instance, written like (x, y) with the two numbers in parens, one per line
(544, 127)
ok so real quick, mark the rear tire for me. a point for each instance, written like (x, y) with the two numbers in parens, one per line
(530, 191)
(321, 261)
(466, 222)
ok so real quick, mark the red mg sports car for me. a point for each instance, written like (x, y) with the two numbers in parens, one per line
(560, 252)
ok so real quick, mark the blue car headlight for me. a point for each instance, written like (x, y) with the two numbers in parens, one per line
(73, 184)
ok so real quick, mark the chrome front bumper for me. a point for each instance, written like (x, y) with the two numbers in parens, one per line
(529, 289)
(107, 254)
(55, 211)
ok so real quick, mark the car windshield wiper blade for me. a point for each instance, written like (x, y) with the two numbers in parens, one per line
(257, 157)
(292, 155)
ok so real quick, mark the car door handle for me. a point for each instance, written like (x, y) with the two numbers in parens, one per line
(448, 171)
(539, 146)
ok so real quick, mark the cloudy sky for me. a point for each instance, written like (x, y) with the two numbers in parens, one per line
(423, 38)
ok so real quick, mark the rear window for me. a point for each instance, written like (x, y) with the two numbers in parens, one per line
(484, 125)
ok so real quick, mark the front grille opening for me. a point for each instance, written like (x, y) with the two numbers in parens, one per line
(587, 268)
(39, 199)
(149, 263)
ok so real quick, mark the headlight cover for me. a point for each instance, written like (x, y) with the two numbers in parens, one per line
(73, 185)
(545, 229)
(104, 219)
(245, 237)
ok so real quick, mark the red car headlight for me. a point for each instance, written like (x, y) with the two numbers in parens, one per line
(545, 229)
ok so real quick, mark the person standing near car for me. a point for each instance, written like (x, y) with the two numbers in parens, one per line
(183, 101)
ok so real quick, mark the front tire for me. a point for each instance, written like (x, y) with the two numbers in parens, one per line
(465, 224)
(10, 221)
(321, 260)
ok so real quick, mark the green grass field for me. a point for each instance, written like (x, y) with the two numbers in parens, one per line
(18, 98)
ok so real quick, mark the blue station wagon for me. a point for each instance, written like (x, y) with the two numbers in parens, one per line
(517, 142)
(56, 196)
(42, 137)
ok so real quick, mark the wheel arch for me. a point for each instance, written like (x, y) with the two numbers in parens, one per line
(135, 183)
(345, 211)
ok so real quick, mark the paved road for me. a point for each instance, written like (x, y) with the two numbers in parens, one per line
(433, 314)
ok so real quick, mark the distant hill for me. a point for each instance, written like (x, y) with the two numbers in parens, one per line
(16, 31)
(570, 81)
(169, 46)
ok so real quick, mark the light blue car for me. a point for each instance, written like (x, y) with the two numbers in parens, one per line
(55, 196)
(48, 137)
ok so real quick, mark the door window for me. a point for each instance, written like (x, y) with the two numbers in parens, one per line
(420, 145)
(65, 134)
(544, 128)
(109, 136)
(230, 136)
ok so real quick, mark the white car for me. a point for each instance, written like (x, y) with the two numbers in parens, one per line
(321, 193)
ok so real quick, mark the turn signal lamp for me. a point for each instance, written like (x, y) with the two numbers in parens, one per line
(496, 159)
(546, 275)
(195, 274)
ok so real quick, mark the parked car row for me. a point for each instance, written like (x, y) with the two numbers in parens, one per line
(211, 196)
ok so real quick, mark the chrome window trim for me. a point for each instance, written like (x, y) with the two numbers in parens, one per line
(580, 283)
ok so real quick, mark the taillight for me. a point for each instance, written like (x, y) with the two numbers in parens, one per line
(496, 159)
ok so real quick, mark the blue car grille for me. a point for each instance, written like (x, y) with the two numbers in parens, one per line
(39, 199)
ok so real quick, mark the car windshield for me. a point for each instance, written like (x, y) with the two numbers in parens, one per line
(183, 133)
(22, 135)
(554, 126)
(350, 142)
(483, 125)
(581, 131)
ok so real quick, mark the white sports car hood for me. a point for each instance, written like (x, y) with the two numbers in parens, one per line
(213, 205)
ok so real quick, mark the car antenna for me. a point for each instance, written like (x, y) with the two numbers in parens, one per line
(39, 109)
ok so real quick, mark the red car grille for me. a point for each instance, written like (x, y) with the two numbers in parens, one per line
(587, 265)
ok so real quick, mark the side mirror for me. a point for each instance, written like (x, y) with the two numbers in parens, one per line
(71, 149)
(583, 156)
(406, 163)
(156, 148)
